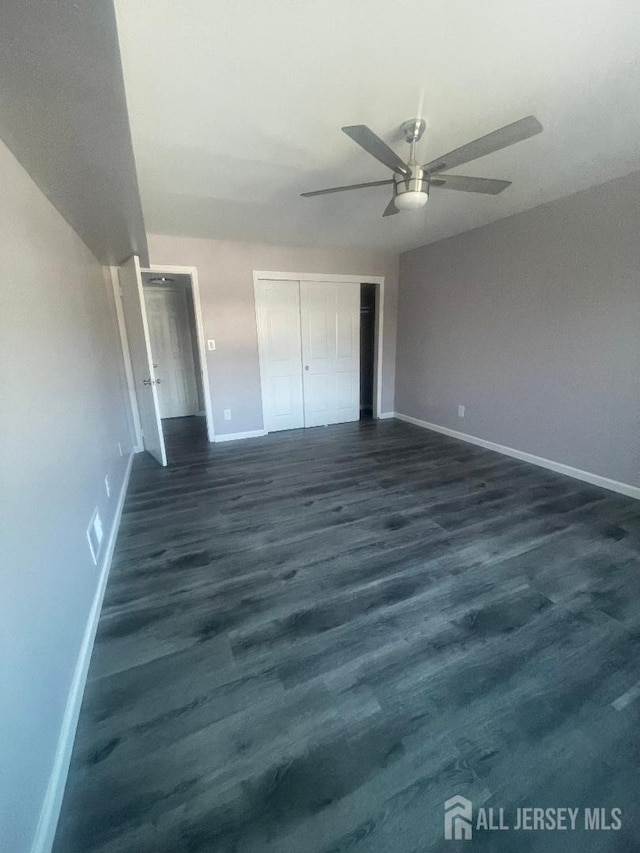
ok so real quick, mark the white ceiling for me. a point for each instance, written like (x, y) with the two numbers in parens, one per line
(236, 108)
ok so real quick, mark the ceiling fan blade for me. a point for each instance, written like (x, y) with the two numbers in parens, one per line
(350, 187)
(502, 138)
(373, 145)
(489, 186)
(390, 209)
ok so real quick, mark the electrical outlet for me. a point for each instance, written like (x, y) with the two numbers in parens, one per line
(120, 452)
(95, 533)
(211, 344)
(107, 485)
(460, 411)
(227, 414)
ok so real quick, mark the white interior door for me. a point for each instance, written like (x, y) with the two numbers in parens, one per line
(135, 318)
(278, 317)
(172, 348)
(330, 327)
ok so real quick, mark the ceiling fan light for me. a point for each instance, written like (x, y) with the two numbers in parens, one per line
(411, 200)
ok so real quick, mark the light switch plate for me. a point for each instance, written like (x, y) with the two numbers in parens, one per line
(211, 344)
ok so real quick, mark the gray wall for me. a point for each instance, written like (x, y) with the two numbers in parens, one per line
(62, 414)
(225, 273)
(532, 323)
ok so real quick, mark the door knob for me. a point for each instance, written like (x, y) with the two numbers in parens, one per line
(306, 367)
(146, 382)
(158, 381)
(154, 364)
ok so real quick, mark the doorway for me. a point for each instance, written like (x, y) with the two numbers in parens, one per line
(177, 357)
(368, 299)
(317, 367)
(142, 368)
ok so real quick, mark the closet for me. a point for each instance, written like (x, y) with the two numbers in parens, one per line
(309, 345)
(173, 344)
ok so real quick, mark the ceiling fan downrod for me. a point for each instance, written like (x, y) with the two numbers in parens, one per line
(411, 192)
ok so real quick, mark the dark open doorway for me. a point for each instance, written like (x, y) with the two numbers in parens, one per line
(368, 294)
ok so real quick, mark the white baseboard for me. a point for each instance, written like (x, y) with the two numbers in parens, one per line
(383, 416)
(236, 436)
(577, 473)
(50, 812)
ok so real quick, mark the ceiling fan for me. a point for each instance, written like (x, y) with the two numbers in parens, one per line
(411, 182)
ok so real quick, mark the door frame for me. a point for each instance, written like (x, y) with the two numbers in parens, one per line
(359, 279)
(202, 351)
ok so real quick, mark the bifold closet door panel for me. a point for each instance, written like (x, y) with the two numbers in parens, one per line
(278, 315)
(330, 323)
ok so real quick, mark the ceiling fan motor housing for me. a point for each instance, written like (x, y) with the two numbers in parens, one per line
(411, 193)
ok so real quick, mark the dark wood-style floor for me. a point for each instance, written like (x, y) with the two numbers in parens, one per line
(309, 641)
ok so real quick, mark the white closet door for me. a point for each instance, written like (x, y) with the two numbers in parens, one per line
(172, 349)
(278, 315)
(330, 321)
